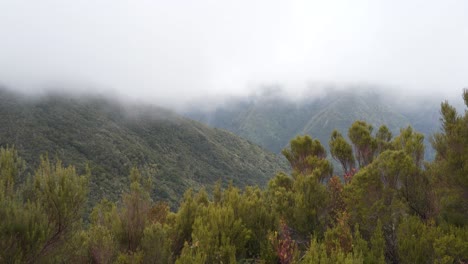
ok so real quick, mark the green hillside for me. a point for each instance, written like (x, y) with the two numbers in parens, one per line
(112, 137)
(272, 122)
(269, 122)
(343, 109)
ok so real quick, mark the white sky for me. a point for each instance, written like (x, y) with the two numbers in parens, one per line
(173, 51)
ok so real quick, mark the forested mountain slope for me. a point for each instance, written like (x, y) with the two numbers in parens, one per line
(272, 121)
(112, 137)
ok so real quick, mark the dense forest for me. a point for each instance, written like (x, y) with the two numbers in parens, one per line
(389, 206)
(111, 137)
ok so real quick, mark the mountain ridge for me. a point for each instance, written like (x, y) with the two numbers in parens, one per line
(278, 119)
(178, 153)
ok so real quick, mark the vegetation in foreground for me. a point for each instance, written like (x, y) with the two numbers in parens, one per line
(388, 207)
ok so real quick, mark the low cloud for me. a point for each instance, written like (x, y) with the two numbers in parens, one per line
(174, 52)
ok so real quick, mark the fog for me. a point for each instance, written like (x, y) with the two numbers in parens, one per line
(175, 52)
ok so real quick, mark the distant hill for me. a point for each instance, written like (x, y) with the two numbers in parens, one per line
(113, 137)
(272, 122)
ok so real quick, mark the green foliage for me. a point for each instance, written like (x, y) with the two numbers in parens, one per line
(310, 205)
(302, 202)
(105, 214)
(360, 245)
(156, 244)
(339, 238)
(38, 227)
(104, 233)
(451, 245)
(416, 187)
(130, 258)
(421, 242)
(415, 241)
(383, 138)
(364, 198)
(375, 194)
(450, 168)
(102, 244)
(377, 248)
(317, 253)
(336, 205)
(365, 146)
(234, 226)
(281, 195)
(128, 233)
(191, 255)
(134, 213)
(342, 151)
(253, 209)
(11, 170)
(219, 235)
(62, 195)
(184, 220)
(23, 225)
(307, 156)
(23, 230)
(412, 143)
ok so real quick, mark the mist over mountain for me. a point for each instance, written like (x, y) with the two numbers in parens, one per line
(172, 52)
(271, 119)
(177, 153)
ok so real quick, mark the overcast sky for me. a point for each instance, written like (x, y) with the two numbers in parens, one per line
(173, 51)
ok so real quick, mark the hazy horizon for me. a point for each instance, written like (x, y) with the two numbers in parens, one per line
(174, 53)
